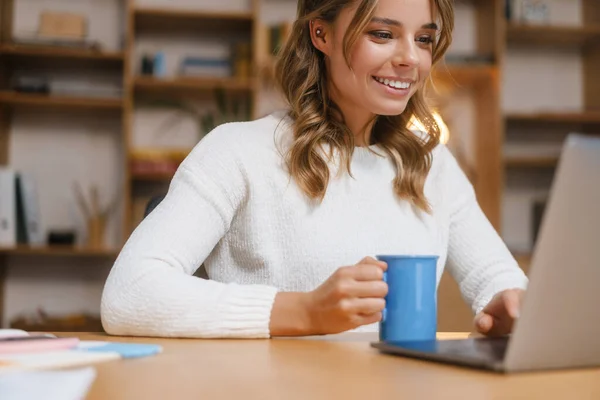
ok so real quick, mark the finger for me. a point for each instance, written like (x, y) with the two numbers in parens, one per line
(368, 306)
(372, 261)
(484, 323)
(512, 303)
(366, 289)
(490, 325)
(369, 319)
(367, 272)
(495, 306)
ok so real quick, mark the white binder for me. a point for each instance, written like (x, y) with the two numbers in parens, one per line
(8, 211)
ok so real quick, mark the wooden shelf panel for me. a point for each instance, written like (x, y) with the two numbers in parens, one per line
(465, 75)
(156, 164)
(45, 52)
(152, 177)
(59, 251)
(531, 162)
(52, 101)
(524, 260)
(191, 85)
(553, 36)
(583, 118)
(164, 19)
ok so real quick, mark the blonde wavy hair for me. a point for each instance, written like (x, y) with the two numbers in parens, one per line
(300, 73)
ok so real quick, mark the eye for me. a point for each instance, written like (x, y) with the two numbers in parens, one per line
(381, 35)
(425, 39)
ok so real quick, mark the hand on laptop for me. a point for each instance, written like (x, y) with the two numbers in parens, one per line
(498, 316)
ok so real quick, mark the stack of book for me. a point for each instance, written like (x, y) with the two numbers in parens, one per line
(21, 350)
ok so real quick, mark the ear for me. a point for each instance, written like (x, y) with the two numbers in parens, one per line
(320, 35)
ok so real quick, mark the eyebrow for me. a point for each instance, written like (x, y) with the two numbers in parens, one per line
(393, 22)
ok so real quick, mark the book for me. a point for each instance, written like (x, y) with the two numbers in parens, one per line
(8, 211)
(27, 191)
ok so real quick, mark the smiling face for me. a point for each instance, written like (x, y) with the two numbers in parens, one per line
(389, 61)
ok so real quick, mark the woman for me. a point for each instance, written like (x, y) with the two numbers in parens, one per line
(281, 209)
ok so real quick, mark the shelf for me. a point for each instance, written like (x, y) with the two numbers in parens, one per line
(164, 19)
(48, 52)
(582, 118)
(191, 85)
(159, 154)
(465, 75)
(553, 36)
(53, 101)
(524, 261)
(531, 162)
(152, 177)
(59, 251)
(155, 164)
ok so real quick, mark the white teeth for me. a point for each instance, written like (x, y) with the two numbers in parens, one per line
(394, 84)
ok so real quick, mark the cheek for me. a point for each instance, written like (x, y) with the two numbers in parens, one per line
(369, 56)
(425, 63)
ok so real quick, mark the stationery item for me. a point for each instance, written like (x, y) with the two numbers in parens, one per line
(125, 350)
(12, 333)
(411, 303)
(35, 344)
(20, 351)
(52, 360)
(47, 385)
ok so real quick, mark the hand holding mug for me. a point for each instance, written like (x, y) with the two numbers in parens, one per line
(353, 296)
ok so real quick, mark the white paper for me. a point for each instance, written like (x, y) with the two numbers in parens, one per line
(48, 385)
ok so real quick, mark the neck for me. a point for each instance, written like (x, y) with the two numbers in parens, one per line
(359, 121)
(360, 126)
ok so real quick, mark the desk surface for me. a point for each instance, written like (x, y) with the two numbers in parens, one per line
(341, 367)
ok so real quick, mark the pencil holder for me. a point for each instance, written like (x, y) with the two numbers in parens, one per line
(96, 229)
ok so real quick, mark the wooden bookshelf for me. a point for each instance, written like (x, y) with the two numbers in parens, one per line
(167, 19)
(552, 36)
(187, 85)
(524, 261)
(580, 118)
(465, 74)
(46, 52)
(152, 177)
(59, 251)
(531, 162)
(62, 102)
(166, 161)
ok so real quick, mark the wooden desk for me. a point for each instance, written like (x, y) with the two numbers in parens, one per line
(344, 368)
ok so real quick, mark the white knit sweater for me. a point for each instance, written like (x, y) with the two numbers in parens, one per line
(232, 206)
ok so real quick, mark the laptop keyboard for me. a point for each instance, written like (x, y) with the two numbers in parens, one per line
(479, 348)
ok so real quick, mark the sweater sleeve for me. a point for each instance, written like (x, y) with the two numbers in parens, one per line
(151, 290)
(478, 259)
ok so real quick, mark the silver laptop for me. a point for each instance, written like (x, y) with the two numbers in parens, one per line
(559, 325)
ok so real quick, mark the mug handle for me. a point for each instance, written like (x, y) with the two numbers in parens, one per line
(384, 312)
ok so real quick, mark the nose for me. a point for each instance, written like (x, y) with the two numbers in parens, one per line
(406, 54)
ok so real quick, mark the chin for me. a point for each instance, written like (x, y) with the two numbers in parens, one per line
(389, 111)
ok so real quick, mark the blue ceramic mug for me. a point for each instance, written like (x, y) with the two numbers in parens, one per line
(411, 303)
